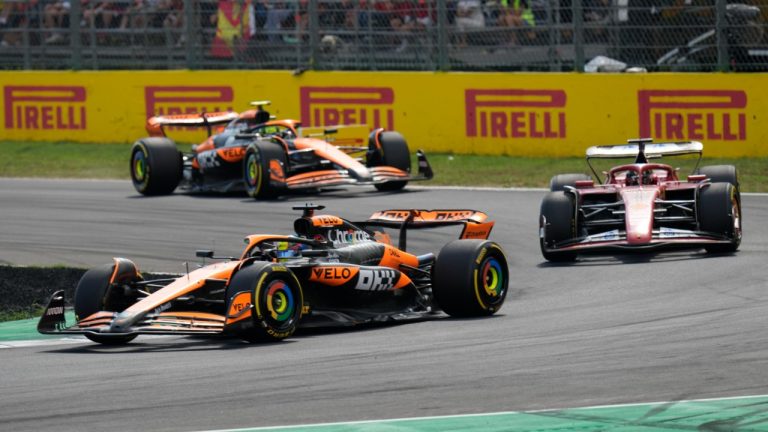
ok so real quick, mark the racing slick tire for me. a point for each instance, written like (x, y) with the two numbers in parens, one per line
(276, 297)
(560, 181)
(156, 166)
(470, 278)
(721, 174)
(719, 211)
(257, 171)
(392, 151)
(557, 222)
(91, 296)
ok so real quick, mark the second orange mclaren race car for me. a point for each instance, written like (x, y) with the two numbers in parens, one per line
(266, 157)
(330, 272)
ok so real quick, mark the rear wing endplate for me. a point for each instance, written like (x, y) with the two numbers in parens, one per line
(475, 223)
(156, 124)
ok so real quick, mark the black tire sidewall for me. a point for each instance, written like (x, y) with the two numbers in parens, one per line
(394, 152)
(259, 154)
(558, 182)
(557, 222)
(715, 213)
(457, 289)
(162, 166)
(257, 279)
(89, 299)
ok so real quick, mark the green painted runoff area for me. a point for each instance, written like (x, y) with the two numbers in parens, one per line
(744, 414)
(24, 330)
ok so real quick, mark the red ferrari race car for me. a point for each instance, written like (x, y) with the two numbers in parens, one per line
(266, 157)
(331, 272)
(641, 206)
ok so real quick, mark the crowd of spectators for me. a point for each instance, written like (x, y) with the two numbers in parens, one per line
(394, 24)
(48, 21)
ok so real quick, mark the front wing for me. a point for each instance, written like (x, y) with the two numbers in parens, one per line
(108, 323)
(616, 241)
(338, 177)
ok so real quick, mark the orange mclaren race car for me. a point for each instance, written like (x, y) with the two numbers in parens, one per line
(265, 157)
(330, 272)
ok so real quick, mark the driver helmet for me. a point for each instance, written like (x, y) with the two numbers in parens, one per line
(649, 177)
(631, 178)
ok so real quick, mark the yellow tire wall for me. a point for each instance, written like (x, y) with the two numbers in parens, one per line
(525, 114)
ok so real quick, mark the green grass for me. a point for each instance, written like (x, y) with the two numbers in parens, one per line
(75, 160)
(32, 312)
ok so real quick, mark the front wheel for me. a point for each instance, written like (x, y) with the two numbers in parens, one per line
(389, 149)
(276, 298)
(470, 278)
(557, 223)
(94, 294)
(156, 166)
(719, 211)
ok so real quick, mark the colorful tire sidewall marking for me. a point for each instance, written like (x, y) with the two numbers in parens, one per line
(253, 172)
(140, 167)
(280, 303)
(492, 279)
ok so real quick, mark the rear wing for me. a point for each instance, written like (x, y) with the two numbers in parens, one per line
(475, 224)
(156, 124)
(643, 149)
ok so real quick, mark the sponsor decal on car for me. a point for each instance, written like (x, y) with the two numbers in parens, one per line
(328, 106)
(693, 114)
(376, 279)
(45, 107)
(333, 276)
(341, 237)
(612, 235)
(58, 310)
(665, 232)
(515, 113)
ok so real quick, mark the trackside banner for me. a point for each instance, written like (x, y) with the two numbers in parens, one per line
(549, 114)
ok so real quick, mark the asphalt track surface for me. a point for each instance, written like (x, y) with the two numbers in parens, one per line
(605, 330)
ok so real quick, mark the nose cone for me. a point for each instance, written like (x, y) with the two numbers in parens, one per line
(638, 206)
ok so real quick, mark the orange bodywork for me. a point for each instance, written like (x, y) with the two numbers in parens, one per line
(185, 285)
(240, 308)
(333, 275)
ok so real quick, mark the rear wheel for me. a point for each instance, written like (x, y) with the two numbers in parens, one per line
(392, 150)
(560, 181)
(156, 166)
(720, 212)
(721, 174)
(470, 278)
(276, 297)
(257, 169)
(92, 295)
(557, 223)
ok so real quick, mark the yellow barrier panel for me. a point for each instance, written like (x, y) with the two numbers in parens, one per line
(547, 114)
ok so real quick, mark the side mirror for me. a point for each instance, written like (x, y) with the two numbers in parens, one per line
(204, 253)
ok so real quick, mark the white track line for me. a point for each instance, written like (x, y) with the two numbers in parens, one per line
(459, 416)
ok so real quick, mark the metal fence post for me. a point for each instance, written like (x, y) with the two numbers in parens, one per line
(578, 35)
(25, 42)
(721, 30)
(75, 16)
(442, 36)
(314, 36)
(189, 34)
